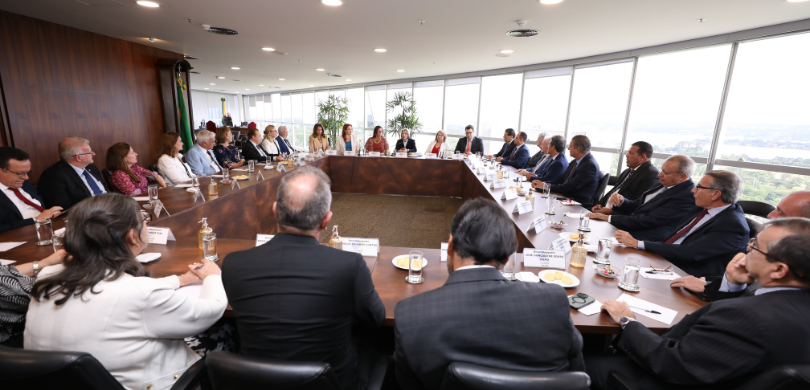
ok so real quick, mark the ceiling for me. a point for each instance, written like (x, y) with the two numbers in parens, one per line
(456, 36)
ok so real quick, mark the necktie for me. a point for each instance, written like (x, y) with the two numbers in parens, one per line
(536, 167)
(211, 156)
(469, 142)
(686, 229)
(619, 186)
(25, 200)
(261, 152)
(573, 167)
(92, 183)
(512, 156)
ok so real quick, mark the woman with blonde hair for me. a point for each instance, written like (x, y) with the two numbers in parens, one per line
(127, 177)
(318, 140)
(439, 144)
(405, 143)
(347, 140)
(270, 144)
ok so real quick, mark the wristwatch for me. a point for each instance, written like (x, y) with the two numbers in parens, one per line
(36, 268)
(625, 320)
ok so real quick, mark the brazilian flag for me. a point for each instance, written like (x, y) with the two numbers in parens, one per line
(185, 129)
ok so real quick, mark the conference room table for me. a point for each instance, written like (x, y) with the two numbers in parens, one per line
(237, 215)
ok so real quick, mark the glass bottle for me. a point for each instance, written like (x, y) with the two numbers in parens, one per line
(500, 172)
(579, 252)
(530, 196)
(204, 230)
(212, 187)
(335, 241)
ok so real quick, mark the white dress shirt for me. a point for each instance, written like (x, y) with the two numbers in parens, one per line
(80, 172)
(26, 210)
(648, 198)
(473, 267)
(727, 286)
(706, 218)
(259, 148)
(270, 147)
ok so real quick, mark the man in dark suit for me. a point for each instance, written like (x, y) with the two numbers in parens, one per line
(74, 177)
(709, 235)
(553, 167)
(252, 150)
(580, 180)
(297, 300)
(283, 144)
(20, 203)
(725, 343)
(469, 320)
(470, 144)
(539, 156)
(639, 176)
(508, 146)
(657, 212)
(520, 153)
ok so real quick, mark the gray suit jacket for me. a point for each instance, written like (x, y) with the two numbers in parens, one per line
(198, 161)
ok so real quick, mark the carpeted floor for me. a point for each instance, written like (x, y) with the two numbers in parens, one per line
(406, 221)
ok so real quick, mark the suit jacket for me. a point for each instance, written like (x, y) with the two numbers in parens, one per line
(535, 159)
(341, 144)
(712, 291)
(479, 317)
(411, 145)
(551, 170)
(61, 186)
(296, 300)
(707, 249)
(725, 343)
(477, 145)
(520, 158)
(582, 184)
(10, 216)
(251, 152)
(657, 219)
(644, 177)
(506, 149)
(198, 159)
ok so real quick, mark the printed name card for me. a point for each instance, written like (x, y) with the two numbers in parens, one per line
(490, 176)
(478, 164)
(498, 183)
(523, 207)
(402, 154)
(543, 258)
(480, 171)
(458, 157)
(538, 223)
(509, 194)
(263, 238)
(160, 235)
(330, 152)
(352, 153)
(430, 155)
(561, 244)
(363, 246)
(444, 251)
(374, 154)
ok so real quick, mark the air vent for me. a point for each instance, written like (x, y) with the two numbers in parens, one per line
(190, 57)
(195, 72)
(219, 30)
(502, 55)
(333, 75)
(522, 32)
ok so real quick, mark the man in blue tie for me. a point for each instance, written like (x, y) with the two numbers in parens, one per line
(74, 177)
(283, 145)
(200, 157)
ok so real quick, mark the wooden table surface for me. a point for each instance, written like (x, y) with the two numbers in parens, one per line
(238, 215)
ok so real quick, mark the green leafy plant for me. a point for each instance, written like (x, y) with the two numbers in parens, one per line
(407, 118)
(332, 114)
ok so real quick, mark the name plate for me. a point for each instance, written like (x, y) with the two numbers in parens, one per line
(430, 155)
(458, 157)
(561, 244)
(509, 194)
(363, 246)
(480, 171)
(402, 154)
(330, 152)
(160, 235)
(352, 153)
(539, 221)
(498, 183)
(543, 258)
(523, 207)
(444, 251)
(478, 164)
(263, 238)
(374, 154)
(490, 176)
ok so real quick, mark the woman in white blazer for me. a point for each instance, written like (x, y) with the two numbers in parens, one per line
(102, 301)
(170, 163)
(270, 143)
(438, 145)
(347, 137)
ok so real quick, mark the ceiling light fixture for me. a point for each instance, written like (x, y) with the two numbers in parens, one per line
(333, 3)
(507, 51)
(548, 2)
(400, 70)
(797, 1)
(151, 39)
(311, 85)
(522, 32)
(268, 49)
(205, 88)
(281, 79)
(221, 78)
(213, 84)
(150, 4)
(701, 20)
(247, 89)
(235, 68)
(261, 85)
(320, 69)
(348, 79)
(380, 50)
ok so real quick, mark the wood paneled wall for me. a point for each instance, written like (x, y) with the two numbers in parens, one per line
(59, 81)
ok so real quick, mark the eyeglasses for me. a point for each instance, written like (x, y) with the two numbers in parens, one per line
(706, 188)
(147, 216)
(19, 174)
(82, 154)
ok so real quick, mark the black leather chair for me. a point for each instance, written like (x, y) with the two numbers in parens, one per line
(22, 369)
(753, 226)
(600, 190)
(106, 173)
(795, 377)
(760, 209)
(229, 371)
(465, 376)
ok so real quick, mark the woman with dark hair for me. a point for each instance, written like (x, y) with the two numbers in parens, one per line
(227, 155)
(347, 140)
(170, 163)
(101, 300)
(318, 140)
(377, 143)
(127, 177)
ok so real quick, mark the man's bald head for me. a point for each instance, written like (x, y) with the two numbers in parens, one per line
(796, 204)
(303, 199)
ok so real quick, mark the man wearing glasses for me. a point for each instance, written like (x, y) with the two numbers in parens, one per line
(74, 177)
(469, 144)
(707, 236)
(726, 343)
(20, 204)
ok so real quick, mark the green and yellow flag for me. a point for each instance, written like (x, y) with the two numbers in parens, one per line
(185, 129)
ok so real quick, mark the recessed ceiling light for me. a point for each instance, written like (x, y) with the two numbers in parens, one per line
(261, 85)
(311, 85)
(400, 70)
(320, 69)
(150, 4)
(235, 68)
(268, 49)
(701, 20)
(348, 79)
(507, 51)
(380, 50)
(205, 88)
(333, 3)
(281, 79)
(796, 1)
(550, 1)
(213, 84)
(247, 89)
(221, 77)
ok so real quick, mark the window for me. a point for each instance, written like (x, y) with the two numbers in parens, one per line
(309, 109)
(286, 109)
(767, 118)
(768, 187)
(375, 107)
(268, 109)
(429, 106)
(676, 99)
(423, 141)
(599, 103)
(276, 101)
(460, 107)
(545, 104)
(500, 104)
(390, 93)
(355, 96)
(207, 106)
(297, 108)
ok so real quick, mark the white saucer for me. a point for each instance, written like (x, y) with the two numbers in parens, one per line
(394, 261)
(574, 279)
(148, 257)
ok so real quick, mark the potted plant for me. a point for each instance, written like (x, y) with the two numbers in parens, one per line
(407, 117)
(332, 114)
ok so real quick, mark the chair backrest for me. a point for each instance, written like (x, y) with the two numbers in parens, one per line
(106, 173)
(465, 376)
(793, 377)
(753, 227)
(26, 369)
(600, 189)
(760, 209)
(229, 371)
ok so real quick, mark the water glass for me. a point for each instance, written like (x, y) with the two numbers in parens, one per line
(226, 175)
(415, 267)
(44, 232)
(550, 206)
(195, 182)
(546, 192)
(251, 165)
(630, 277)
(58, 242)
(584, 221)
(153, 195)
(210, 247)
(603, 251)
(508, 271)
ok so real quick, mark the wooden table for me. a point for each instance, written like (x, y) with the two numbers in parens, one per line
(237, 215)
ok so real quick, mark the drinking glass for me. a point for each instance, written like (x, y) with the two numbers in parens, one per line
(58, 242)
(44, 231)
(550, 206)
(415, 267)
(508, 271)
(210, 247)
(630, 277)
(546, 192)
(153, 196)
(584, 221)
(251, 165)
(603, 251)
(226, 175)
(195, 182)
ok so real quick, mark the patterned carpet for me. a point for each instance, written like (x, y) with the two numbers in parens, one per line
(407, 221)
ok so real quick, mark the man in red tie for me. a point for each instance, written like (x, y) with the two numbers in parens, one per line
(20, 204)
(710, 234)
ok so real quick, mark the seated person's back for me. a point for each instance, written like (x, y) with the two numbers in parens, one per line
(480, 317)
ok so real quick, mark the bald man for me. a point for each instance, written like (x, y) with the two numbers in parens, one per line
(73, 178)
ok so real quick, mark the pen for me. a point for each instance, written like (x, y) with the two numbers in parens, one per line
(201, 265)
(648, 311)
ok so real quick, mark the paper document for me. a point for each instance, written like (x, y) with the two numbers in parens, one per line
(240, 169)
(141, 198)
(574, 215)
(182, 186)
(4, 246)
(636, 305)
(645, 275)
(7, 262)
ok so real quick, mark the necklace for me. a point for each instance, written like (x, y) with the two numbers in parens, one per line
(377, 141)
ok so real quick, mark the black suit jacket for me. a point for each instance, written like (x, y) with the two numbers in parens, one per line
(656, 219)
(61, 186)
(250, 152)
(296, 300)
(708, 249)
(506, 149)
(725, 343)
(477, 145)
(645, 176)
(481, 318)
(411, 145)
(10, 216)
(582, 184)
